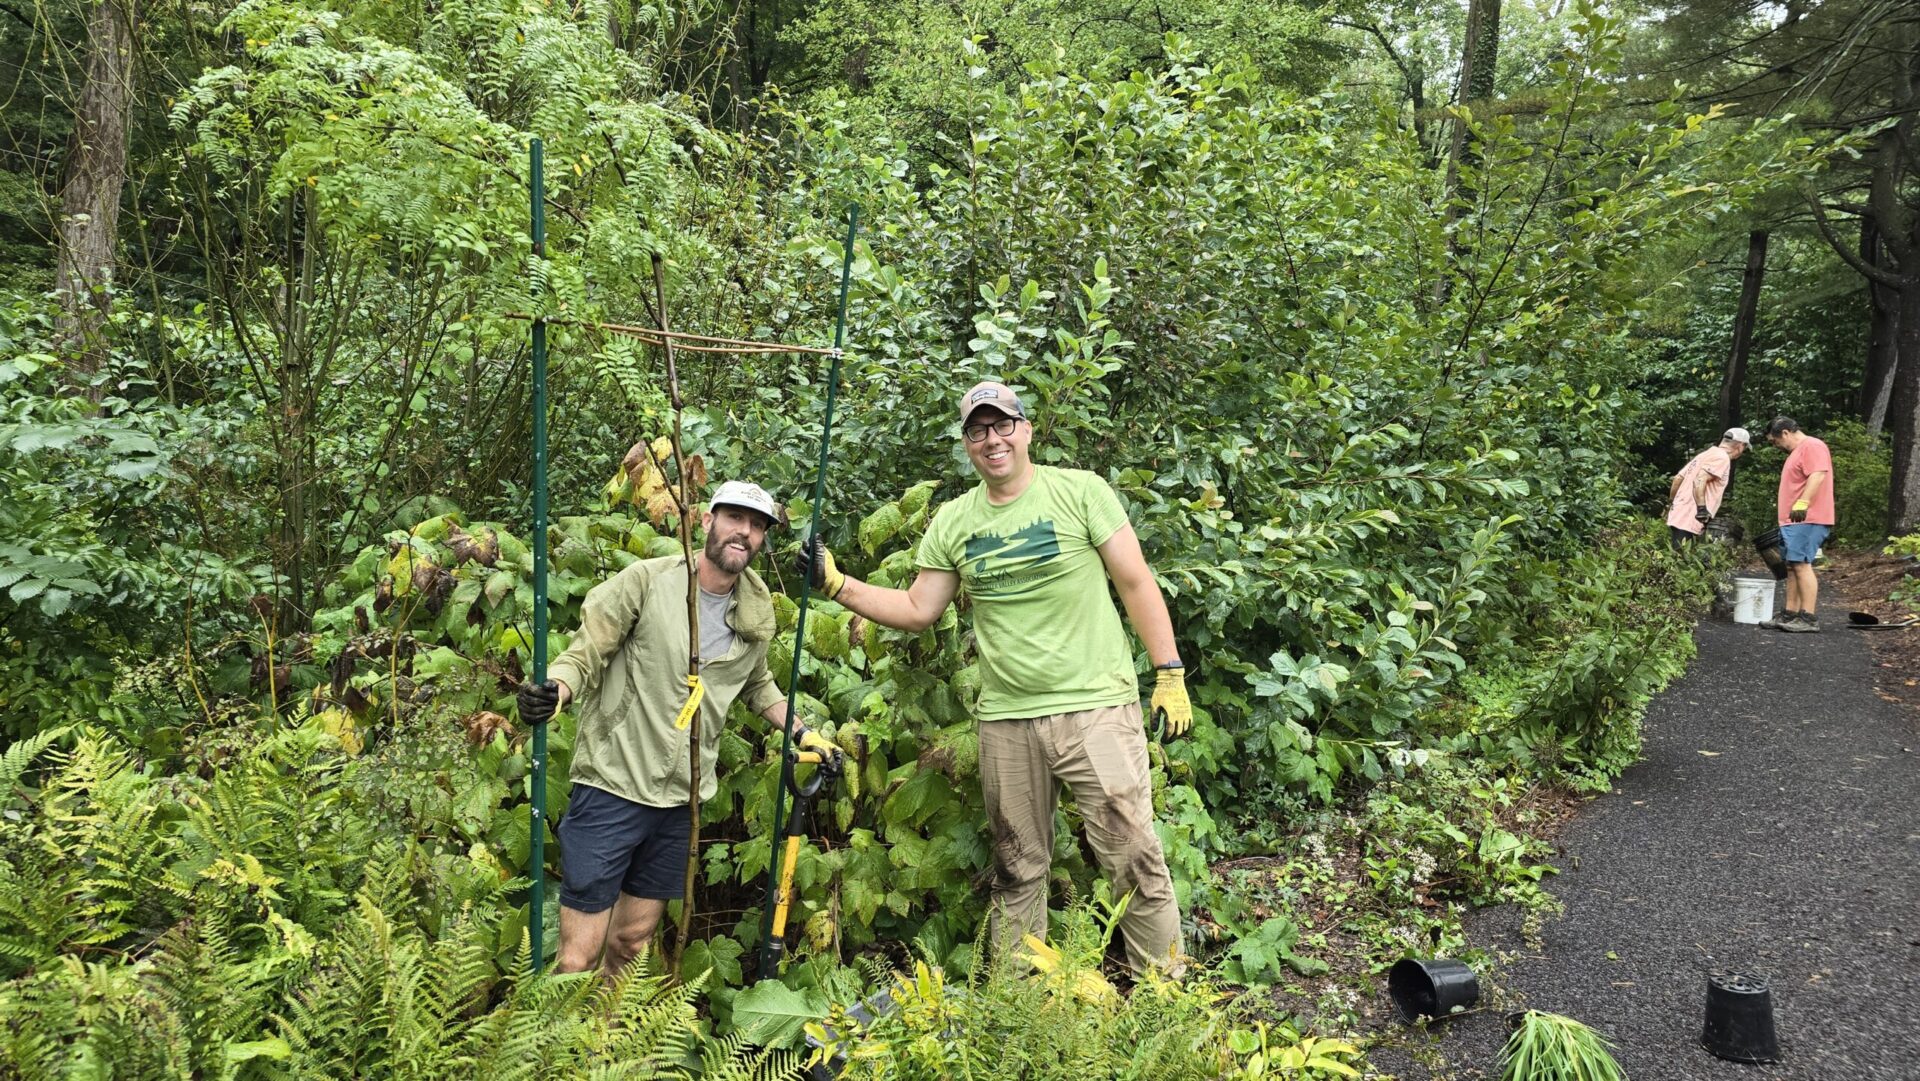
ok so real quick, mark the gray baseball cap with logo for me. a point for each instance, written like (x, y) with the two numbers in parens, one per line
(749, 496)
(990, 395)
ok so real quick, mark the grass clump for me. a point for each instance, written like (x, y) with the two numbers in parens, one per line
(1554, 1047)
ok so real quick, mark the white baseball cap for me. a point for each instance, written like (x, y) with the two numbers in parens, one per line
(1739, 435)
(750, 496)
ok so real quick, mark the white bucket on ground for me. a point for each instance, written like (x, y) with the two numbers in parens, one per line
(1752, 599)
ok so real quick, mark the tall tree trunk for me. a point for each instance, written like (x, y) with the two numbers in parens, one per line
(96, 173)
(298, 529)
(736, 63)
(1479, 59)
(1416, 74)
(1883, 332)
(1903, 415)
(1898, 215)
(1735, 376)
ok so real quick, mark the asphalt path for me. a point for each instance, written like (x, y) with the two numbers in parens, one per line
(1773, 828)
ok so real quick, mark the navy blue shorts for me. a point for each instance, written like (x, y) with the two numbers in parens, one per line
(1802, 540)
(610, 846)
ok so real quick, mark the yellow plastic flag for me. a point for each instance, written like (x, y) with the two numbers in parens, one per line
(693, 703)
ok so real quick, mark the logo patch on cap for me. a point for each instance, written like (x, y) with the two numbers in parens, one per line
(982, 395)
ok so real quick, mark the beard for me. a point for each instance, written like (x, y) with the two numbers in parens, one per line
(728, 558)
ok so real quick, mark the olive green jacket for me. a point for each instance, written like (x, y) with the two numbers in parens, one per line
(627, 669)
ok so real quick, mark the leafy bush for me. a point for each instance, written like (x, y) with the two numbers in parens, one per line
(95, 564)
(1607, 629)
(1066, 1021)
(1908, 591)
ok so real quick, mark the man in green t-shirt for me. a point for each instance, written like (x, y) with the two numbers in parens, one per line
(1035, 548)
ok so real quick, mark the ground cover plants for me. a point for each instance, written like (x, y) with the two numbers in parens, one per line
(267, 586)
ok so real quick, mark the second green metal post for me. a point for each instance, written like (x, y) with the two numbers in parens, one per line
(768, 962)
(537, 819)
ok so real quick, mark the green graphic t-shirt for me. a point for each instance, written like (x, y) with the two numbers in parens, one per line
(1049, 635)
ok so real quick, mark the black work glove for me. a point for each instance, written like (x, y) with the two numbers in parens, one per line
(538, 701)
(815, 564)
(1702, 515)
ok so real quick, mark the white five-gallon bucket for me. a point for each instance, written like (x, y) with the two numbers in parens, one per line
(1752, 599)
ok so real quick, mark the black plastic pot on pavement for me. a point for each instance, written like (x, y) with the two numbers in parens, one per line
(1740, 1019)
(1773, 552)
(1437, 988)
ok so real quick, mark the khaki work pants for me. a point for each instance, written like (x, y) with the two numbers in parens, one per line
(1101, 755)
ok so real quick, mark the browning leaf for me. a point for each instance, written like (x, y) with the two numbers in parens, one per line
(660, 506)
(483, 548)
(482, 726)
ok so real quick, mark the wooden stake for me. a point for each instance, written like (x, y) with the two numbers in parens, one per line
(686, 501)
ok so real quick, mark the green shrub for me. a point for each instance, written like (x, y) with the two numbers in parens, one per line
(1908, 591)
(1040, 1011)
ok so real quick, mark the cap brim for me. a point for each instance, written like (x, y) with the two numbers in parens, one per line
(773, 519)
(997, 407)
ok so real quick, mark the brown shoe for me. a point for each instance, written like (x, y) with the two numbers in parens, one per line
(1806, 624)
(1774, 623)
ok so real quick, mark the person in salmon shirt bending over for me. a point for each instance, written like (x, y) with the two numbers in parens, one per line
(1694, 498)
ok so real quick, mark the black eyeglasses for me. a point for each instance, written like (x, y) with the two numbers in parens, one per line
(977, 433)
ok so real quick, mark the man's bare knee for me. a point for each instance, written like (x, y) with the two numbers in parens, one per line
(582, 937)
(624, 946)
(635, 919)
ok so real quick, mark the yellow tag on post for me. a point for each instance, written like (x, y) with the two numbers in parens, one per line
(692, 707)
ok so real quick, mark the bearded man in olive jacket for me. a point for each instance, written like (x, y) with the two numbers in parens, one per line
(624, 837)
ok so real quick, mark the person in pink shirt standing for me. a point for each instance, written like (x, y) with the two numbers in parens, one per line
(1806, 519)
(1697, 489)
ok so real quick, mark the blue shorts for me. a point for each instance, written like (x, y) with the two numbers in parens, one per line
(1802, 540)
(610, 846)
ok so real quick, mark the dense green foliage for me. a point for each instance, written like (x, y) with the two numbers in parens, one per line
(267, 588)
(284, 934)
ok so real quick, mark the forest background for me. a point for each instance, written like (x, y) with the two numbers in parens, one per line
(1388, 321)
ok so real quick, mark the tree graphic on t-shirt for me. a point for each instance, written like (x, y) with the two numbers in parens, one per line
(1037, 542)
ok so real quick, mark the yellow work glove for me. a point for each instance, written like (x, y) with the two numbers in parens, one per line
(809, 740)
(1799, 513)
(816, 565)
(1171, 709)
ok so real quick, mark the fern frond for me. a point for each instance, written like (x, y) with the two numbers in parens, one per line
(13, 763)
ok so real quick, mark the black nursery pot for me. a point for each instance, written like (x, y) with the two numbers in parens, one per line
(1740, 1019)
(1434, 988)
(1773, 553)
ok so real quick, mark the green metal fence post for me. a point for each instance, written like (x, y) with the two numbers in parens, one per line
(768, 963)
(537, 819)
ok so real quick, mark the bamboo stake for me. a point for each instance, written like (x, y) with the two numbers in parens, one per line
(686, 502)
